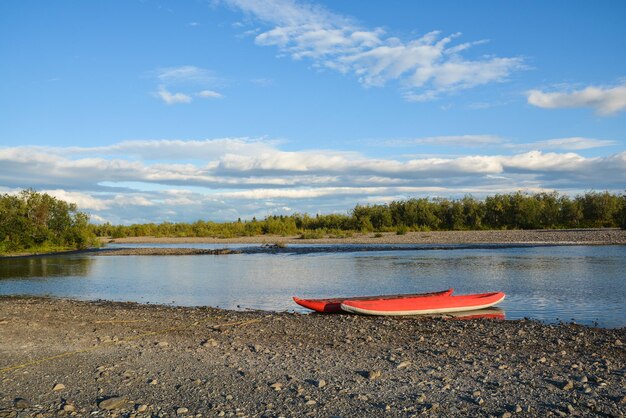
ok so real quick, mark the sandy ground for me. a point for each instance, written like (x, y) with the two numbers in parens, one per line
(61, 357)
(572, 236)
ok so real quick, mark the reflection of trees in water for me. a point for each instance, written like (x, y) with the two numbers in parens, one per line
(34, 267)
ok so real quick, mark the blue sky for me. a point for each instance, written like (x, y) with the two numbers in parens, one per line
(182, 110)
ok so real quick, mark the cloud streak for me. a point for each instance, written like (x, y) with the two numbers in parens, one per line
(605, 101)
(193, 80)
(424, 68)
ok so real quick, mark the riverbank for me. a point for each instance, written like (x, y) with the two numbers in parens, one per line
(63, 357)
(592, 236)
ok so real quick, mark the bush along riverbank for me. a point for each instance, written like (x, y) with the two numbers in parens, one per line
(63, 357)
(32, 222)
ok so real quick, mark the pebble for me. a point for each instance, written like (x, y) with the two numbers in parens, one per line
(21, 403)
(320, 383)
(373, 374)
(113, 403)
(182, 410)
(403, 364)
(518, 409)
(68, 407)
(163, 344)
(142, 408)
(277, 386)
(58, 387)
(310, 402)
(506, 415)
(209, 343)
(569, 385)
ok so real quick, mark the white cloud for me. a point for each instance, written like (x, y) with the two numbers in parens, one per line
(209, 94)
(605, 101)
(424, 67)
(172, 98)
(83, 200)
(573, 143)
(185, 73)
(192, 80)
(227, 178)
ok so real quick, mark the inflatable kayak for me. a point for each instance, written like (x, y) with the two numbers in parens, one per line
(422, 305)
(333, 305)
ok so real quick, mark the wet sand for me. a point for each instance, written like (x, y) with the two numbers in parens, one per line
(63, 357)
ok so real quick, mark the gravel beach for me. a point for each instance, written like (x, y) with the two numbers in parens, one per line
(590, 236)
(62, 357)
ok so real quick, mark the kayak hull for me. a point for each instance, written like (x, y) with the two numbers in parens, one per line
(417, 306)
(333, 305)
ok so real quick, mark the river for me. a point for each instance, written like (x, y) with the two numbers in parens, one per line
(583, 284)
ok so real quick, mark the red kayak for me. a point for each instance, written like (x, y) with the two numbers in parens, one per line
(334, 305)
(420, 305)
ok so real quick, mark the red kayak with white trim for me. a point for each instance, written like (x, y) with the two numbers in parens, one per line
(421, 306)
(333, 305)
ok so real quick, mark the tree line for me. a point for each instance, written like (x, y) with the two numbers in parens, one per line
(501, 211)
(31, 221)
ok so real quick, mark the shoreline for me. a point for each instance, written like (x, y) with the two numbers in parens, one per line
(589, 236)
(537, 237)
(157, 360)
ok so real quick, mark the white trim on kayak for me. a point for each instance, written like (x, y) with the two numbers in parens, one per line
(363, 311)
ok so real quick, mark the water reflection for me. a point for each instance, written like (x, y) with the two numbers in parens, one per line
(583, 283)
(42, 267)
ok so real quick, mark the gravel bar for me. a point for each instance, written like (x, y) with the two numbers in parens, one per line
(63, 357)
(589, 236)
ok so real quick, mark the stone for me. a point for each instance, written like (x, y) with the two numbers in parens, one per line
(403, 364)
(310, 402)
(479, 401)
(182, 410)
(518, 409)
(277, 386)
(58, 387)
(68, 407)
(569, 385)
(373, 374)
(320, 383)
(421, 398)
(142, 408)
(21, 403)
(163, 344)
(506, 415)
(209, 343)
(116, 402)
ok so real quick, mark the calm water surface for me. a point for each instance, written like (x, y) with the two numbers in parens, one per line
(585, 284)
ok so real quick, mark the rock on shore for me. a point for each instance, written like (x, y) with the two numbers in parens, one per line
(123, 359)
